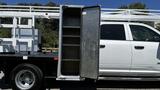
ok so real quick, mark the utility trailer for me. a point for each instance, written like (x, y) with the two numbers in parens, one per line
(26, 66)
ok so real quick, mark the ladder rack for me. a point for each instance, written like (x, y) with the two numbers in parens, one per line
(54, 12)
(130, 14)
(29, 11)
(16, 13)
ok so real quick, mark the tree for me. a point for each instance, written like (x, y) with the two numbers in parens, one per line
(49, 30)
(48, 27)
(137, 5)
(5, 33)
(51, 4)
(2, 3)
(30, 4)
(158, 26)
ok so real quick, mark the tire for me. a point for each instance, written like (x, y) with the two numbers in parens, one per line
(26, 77)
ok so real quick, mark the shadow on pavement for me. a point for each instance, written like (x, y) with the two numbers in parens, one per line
(90, 85)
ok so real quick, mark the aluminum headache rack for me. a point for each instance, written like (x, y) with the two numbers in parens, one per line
(17, 13)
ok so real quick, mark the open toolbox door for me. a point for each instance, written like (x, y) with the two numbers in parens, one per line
(90, 34)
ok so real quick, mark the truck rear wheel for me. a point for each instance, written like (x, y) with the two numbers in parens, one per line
(26, 77)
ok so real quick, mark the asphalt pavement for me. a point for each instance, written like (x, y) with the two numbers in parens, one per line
(104, 85)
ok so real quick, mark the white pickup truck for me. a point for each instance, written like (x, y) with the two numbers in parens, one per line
(125, 51)
(129, 49)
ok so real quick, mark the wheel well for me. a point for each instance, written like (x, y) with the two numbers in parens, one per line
(30, 71)
(47, 68)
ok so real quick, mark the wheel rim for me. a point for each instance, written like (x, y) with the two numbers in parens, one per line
(25, 79)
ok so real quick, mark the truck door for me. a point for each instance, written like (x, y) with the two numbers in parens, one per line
(115, 50)
(89, 66)
(145, 50)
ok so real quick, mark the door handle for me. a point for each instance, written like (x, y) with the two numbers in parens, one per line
(139, 47)
(102, 46)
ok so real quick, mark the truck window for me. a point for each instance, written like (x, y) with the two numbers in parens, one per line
(141, 33)
(112, 32)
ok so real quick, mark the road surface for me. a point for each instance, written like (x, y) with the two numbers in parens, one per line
(106, 85)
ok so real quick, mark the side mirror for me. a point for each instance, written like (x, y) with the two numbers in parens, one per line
(156, 38)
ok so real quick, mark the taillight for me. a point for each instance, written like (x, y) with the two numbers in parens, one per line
(55, 58)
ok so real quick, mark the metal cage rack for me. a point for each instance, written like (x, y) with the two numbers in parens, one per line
(17, 13)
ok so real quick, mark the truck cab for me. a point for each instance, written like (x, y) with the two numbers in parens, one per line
(129, 49)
